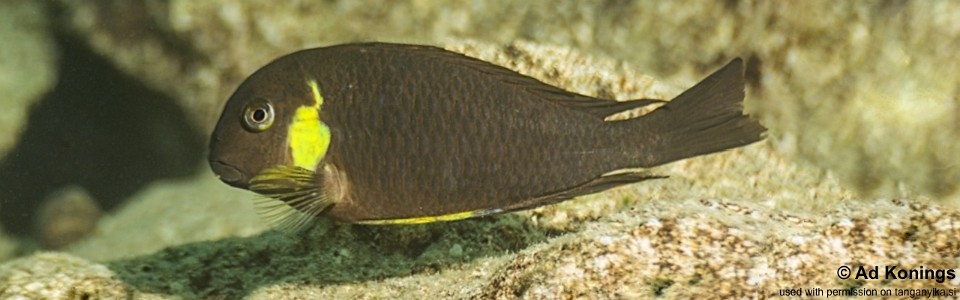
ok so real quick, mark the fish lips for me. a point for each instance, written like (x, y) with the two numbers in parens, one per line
(229, 174)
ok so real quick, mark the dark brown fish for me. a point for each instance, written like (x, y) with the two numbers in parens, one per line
(389, 133)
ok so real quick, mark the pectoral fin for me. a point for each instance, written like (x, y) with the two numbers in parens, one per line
(293, 196)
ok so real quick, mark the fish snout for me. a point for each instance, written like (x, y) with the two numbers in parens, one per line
(229, 174)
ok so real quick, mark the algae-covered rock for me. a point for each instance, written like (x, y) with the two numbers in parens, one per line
(27, 67)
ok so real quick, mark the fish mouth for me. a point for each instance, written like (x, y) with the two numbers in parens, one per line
(229, 174)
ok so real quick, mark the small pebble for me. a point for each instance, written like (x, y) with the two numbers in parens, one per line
(66, 216)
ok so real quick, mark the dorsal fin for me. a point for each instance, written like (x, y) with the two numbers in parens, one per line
(601, 108)
(598, 107)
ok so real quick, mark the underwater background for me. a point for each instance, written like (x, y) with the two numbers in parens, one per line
(104, 191)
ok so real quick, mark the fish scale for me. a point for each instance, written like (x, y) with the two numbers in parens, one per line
(522, 148)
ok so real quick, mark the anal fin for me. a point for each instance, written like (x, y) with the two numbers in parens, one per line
(599, 184)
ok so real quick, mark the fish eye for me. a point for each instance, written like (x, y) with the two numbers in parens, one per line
(258, 115)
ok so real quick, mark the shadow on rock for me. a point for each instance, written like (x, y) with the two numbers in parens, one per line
(325, 254)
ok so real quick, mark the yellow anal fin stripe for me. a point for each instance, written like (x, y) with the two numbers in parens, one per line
(431, 219)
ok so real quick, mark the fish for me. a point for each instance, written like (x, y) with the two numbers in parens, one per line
(384, 133)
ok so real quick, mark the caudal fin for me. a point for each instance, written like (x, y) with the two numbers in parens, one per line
(704, 119)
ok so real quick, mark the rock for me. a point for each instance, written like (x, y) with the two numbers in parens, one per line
(193, 209)
(196, 239)
(721, 250)
(28, 67)
(99, 129)
(59, 276)
(866, 91)
(745, 223)
(66, 216)
(841, 86)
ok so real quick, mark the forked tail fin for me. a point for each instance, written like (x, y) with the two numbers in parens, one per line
(704, 119)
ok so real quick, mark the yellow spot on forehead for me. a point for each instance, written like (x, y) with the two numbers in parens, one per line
(308, 137)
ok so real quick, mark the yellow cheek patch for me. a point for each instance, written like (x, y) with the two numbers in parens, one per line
(308, 137)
